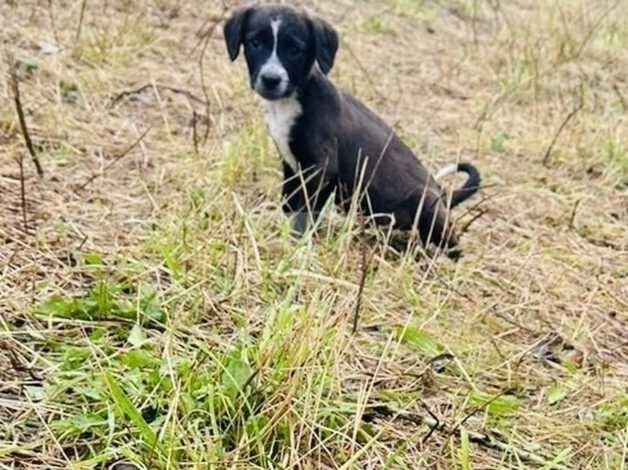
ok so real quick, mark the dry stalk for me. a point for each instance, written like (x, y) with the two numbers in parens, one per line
(570, 116)
(201, 67)
(572, 218)
(594, 29)
(482, 439)
(622, 99)
(366, 262)
(20, 162)
(14, 86)
(195, 133)
(119, 97)
(475, 410)
(79, 28)
(17, 363)
(480, 213)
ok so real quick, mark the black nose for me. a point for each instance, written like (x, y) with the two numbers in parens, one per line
(271, 82)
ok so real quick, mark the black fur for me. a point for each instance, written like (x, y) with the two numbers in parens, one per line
(233, 32)
(470, 186)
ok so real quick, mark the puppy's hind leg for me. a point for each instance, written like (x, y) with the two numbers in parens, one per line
(431, 219)
(441, 232)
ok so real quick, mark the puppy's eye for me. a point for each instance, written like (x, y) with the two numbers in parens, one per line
(295, 51)
(255, 43)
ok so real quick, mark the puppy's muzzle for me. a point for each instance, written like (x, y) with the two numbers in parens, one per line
(271, 82)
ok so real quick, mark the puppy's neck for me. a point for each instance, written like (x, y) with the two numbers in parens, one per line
(281, 116)
(317, 78)
(318, 90)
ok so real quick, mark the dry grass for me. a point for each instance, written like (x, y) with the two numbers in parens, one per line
(154, 310)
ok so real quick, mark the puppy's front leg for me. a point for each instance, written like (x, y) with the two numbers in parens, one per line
(300, 224)
(305, 195)
(294, 202)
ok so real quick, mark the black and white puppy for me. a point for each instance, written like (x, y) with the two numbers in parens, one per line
(330, 143)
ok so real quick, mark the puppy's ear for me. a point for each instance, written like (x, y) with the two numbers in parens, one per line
(234, 31)
(325, 43)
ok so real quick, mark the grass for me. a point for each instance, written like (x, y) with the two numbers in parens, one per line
(154, 311)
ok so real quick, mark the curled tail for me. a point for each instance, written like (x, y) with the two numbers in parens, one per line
(469, 188)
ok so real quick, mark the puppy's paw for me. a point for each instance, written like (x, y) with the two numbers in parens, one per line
(299, 225)
(454, 254)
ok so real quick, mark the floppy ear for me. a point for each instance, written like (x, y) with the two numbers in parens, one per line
(234, 30)
(325, 43)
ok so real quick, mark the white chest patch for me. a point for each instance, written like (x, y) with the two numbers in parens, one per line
(280, 117)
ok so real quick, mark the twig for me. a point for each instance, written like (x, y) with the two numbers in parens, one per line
(15, 88)
(115, 160)
(479, 438)
(83, 241)
(465, 227)
(81, 17)
(572, 219)
(195, 132)
(366, 261)
(201, 67)
(478, 205)
(20, 162)
(569, 117)
(16, 362)
(475, 410)
(621, 97)
(206, 29)
(433, 427)
(595, 27)
(147, 86)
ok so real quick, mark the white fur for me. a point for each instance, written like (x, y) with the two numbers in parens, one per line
(273, 65)
(446, 171)
(280, 116)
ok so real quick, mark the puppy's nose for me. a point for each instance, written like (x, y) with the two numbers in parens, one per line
(271, 81)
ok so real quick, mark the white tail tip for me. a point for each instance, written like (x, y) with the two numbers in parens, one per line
(446, 171)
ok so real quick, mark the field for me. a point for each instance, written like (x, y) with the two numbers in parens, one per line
(155, 312)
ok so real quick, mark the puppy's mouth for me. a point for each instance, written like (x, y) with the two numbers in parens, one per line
(274, 94)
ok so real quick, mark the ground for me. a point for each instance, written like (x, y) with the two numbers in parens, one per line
(154, 309)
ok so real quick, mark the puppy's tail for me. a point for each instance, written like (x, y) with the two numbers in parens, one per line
(469, 188)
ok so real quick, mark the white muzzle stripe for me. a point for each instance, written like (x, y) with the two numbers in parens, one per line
(273, 65)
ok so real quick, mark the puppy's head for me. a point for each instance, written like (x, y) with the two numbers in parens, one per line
(281, 45)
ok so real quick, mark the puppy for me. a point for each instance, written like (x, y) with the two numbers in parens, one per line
(330, 143)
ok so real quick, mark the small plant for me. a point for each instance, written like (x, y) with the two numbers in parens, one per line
(105, 300)
(498, 142)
